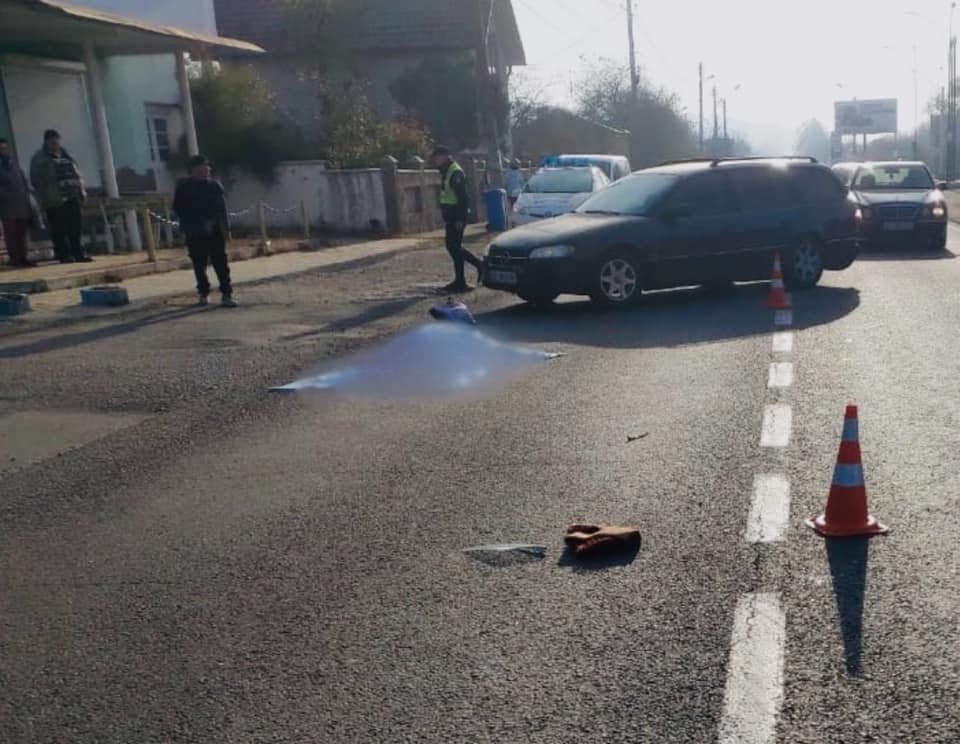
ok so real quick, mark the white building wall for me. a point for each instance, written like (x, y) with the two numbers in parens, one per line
(130, 83)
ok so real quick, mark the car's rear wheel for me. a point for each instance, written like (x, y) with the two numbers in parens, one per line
(538, 299)
(617, 282)
(804, 265)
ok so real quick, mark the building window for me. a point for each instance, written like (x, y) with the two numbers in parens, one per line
(158, 132)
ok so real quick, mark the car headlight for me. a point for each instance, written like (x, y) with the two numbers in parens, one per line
(937, 211)
(552, 251)
(864, 213)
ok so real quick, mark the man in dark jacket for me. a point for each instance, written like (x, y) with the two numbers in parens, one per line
(200, 204)
(16, 212)
(455, 206)
(59, 186)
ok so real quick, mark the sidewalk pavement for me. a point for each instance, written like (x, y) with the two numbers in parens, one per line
(118, 267)
(146, 285)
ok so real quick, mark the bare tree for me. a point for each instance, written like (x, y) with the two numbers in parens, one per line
(813, 140)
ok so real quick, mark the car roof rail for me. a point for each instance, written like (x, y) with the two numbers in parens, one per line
(681, 161)
(805, 158)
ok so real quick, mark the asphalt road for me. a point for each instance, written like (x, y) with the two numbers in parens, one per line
(210, 562)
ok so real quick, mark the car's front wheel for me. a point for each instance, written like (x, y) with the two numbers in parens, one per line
(617, 282)
(804, 265)
(938, 242)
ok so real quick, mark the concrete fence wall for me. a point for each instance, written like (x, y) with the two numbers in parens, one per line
(389, 199)
(339, 200)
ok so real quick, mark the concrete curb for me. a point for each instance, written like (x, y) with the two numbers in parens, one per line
(115, 274)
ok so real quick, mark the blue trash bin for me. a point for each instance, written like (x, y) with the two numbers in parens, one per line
(496, 201)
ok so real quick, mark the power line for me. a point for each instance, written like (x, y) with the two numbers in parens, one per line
(545, 19)
(577, 42)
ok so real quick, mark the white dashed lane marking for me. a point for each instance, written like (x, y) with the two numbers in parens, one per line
(783, 342)
(769, 509)
(781, 375)
(754, 691)
(777, 425)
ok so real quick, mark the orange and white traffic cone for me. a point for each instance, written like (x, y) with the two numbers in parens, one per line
(778, 298)
(846, 514)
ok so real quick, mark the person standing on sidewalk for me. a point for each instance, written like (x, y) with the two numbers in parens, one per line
(201, 206)
(455, 206)
(16, 212)
(59, 185)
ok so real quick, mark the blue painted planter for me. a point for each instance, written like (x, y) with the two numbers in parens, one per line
(104, 296)
(14, 303)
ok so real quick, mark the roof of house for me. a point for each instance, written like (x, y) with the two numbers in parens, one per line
(387, 25)
(56, 21)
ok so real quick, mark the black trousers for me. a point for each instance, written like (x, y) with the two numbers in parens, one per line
(459, 254)
(66, 230)
(207, 249)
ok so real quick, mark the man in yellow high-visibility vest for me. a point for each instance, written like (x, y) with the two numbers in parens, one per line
(455, 207)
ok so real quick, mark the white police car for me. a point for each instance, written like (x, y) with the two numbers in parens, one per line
(551, 192)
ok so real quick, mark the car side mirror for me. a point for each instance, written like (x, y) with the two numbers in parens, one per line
(943, 186)
(676, 212)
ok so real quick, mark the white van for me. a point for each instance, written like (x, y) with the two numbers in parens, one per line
(614, 167)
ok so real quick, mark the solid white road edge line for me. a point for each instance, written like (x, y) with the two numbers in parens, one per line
(777, 425)
(781, 375)
(769, 509)
(754, 691)
(783, 342)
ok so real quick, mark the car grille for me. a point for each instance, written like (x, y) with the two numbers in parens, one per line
(501, 257)
(898, 212)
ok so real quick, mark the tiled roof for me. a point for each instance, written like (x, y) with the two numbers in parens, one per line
(378, 24)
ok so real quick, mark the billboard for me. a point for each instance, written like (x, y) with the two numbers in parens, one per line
(866, 117)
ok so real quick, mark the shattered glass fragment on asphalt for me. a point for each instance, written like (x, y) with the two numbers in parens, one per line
(536, 550)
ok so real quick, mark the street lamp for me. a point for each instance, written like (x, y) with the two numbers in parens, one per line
(726, 139)
(950, 156)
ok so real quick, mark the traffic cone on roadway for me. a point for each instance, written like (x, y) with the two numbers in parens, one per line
(778, 298)
(846, 514)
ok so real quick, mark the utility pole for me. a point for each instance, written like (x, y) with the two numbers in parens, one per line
(724, 119)
(916, 109)
(951, 148)
(716, 120)
(952, 111)
(701, 108)
(634, 77)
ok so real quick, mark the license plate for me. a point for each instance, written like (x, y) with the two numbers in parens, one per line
(897, 226)
(502, 277)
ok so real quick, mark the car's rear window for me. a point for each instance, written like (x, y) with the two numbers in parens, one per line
(817, 186)
(573, 181)
(761, 187)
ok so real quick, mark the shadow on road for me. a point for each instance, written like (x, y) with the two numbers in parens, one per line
(620, 558)
(848, 567)
(69, 340)
(894, 252)
(666, 319)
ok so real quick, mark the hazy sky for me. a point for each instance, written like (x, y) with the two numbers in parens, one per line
(790, 57)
